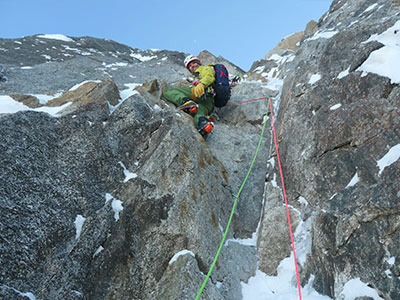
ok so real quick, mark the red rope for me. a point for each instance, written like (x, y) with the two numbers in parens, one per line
(283, 185)
(251, 100)
(286, 203)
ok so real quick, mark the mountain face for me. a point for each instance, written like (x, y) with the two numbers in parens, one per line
(114, 195)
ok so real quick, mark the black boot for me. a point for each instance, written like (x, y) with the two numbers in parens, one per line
(189, 106)
(205, 126)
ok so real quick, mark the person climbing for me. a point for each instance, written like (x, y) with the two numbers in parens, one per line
(197, 100)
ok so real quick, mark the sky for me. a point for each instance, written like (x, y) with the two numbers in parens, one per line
(240, 31)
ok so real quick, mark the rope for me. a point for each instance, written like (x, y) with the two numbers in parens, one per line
(286, 202)
(246, 101)
(240, 190)
(232, 213)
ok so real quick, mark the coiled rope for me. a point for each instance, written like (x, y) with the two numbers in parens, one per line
(240, 190)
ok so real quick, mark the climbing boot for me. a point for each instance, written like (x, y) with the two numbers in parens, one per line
(205, 126)
(213, 117)
(189, 106)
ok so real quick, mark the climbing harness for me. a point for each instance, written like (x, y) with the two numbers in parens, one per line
(240, 190)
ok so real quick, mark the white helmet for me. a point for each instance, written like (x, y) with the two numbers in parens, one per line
(190, 59)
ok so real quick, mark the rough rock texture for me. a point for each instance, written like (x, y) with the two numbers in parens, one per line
(288, 43)
(95, 202)
(333, 127)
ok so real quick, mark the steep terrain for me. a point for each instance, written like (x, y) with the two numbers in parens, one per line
(337, 124)
(98, 197)
(108, 192)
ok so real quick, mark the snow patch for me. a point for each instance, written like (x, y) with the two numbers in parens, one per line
(9, 106)
(246, 242)
(180, 253)
(343, 73)
(128, 175)
(59, 37)
(386, 60)
(76, 86)
(371, 7)
(389, 158)
(98, 251)
(336, 106)
(79, 220)
(22, 294)
(322, 35)
(353, 181)
(314, 78)
(356, 288)
(116, 205)
(141, 57)
(130, 90)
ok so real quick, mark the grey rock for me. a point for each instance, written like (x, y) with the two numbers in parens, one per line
(323, 148)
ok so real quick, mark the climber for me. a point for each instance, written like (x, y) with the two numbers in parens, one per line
(197, 100)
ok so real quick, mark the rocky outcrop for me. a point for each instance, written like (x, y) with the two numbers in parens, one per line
(288, 43)
(333, 128)
(97, 201)
(208, 58)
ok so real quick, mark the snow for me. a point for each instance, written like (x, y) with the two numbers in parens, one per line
(371, 7)
(43, 99)
(116, 205)
(386, 60)
(76, 86)
(391, 260)
(98, 251)
(274, 84)
(336, 106)
(389, 158)
(284, 285)
(353, 181)
(246, 242)
(22, 294)
(117, 208)
(314, 78)
(9, 106)
(356, 288)
(130, 90)
(79, 220)
(303, 201)
(141, 57)
(180, 253)
(128, 175)
(59, 37)
(343, 73)
(322, 35)
(119, 64)
(125, 94)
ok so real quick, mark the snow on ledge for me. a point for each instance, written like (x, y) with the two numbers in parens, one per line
(389, 158)
(9, 106)
(59, 37)
(314, 78)
(180, 253)
(356, 288)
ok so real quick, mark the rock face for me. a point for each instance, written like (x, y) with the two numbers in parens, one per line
(335, 124)
(118, 197)
(97, 200)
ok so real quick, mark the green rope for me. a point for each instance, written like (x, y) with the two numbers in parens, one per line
(232, 213)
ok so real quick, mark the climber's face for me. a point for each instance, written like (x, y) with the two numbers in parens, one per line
(193, 66)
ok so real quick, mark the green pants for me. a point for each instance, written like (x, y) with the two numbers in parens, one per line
(175, 95)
